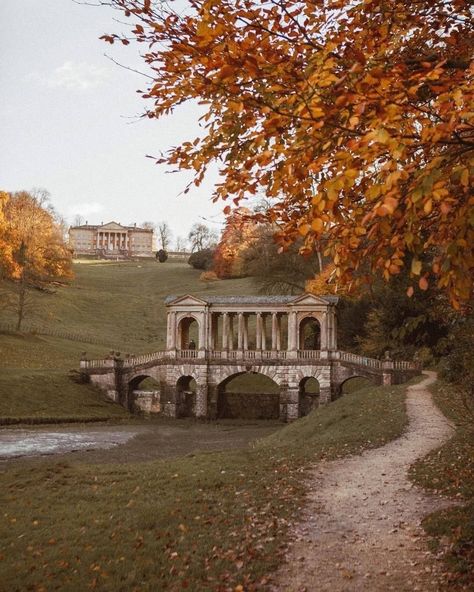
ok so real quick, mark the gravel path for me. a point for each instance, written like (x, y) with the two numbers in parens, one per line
(361, 528)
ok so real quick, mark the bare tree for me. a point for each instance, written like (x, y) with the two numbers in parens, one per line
(148, 225)
(181, 244)
(202, 237)
(164, 235)
(78, 220)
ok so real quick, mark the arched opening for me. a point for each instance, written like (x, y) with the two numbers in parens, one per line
(310, 334)
(186, 388)
(353, 384)
(144, 395)
(188, 333)
(248, 395)
(308, 395)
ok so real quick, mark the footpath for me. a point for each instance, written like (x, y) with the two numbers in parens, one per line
(360, 530)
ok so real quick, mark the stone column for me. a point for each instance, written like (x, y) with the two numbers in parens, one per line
(292, 331)
(258, 336)
(274, 331)
(215, 330)
(325, 394)
(325, 331)
(97, 240)
(212, 396)
(201, 401)
(202, 331)
(231, 331)
(225, 330)
(278, 335)
(264, 331)
(246, 333)
(171, 330)
(333, 345)
(240, 331)
(289, 402)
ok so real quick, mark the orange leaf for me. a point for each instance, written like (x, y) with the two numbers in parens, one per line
(423, 283)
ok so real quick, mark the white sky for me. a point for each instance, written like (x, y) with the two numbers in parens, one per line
(68, 121)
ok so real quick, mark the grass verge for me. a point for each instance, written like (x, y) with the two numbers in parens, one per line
(450, 470)
(47, 396)
(210, 522)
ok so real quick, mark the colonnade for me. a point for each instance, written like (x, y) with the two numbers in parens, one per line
(112, 240)
(261, 329)
(238, 323)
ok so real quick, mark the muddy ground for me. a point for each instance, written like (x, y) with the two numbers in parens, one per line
(123, 443)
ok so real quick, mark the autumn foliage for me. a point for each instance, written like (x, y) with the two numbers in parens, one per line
(354, 118)
(8, 265)
(33, 252)
(238, 235)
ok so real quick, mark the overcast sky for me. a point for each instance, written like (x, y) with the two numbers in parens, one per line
(69, 121)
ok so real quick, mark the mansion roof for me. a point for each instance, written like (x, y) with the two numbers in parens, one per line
(110, 226)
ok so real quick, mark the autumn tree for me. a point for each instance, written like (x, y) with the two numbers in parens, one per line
(237, 237)
(39, 253)
(8, 265)
(276, 271)
(354, 118)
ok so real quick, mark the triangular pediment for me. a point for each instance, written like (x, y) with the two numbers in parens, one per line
(112, 226)
(186, 300)
(310, 299)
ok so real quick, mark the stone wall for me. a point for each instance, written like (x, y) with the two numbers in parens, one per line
(248, 406)
(147, 402)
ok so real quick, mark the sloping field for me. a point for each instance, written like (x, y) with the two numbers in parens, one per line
(119, 305)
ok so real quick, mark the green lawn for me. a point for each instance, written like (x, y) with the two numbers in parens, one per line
(207, 522)
(33, 396)
(450, 470)
(119, 304)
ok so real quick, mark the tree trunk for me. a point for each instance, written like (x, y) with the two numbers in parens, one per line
(21, 301)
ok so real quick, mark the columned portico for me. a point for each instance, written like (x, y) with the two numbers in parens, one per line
(255, 323)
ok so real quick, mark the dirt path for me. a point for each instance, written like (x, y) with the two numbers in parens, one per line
(361, 528)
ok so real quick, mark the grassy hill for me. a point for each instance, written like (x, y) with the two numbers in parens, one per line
(121, 303)
(118, 304)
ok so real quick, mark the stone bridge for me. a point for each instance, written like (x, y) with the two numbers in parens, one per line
(193, 371)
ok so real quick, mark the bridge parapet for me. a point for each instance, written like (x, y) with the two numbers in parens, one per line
(252, 355)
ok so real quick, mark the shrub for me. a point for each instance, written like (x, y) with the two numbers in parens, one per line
(162, 255)
(203, 259)
(208, 276)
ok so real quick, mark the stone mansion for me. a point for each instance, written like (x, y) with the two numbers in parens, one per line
(111, 240)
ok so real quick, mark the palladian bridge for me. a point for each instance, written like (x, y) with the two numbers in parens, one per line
(211, 340)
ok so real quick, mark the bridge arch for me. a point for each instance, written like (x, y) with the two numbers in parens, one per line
(186, 392)
(254, 395)
(136, 399)
(227, 372)
(309, 331)
(353, 383)
(308, 395)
